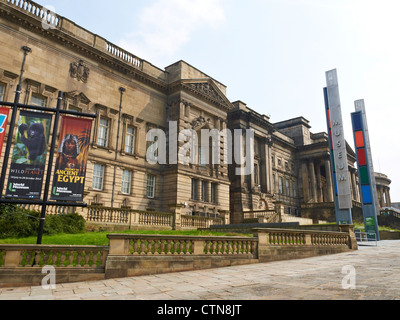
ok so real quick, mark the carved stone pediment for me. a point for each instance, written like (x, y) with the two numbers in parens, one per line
(205, 89)
(208, 90)
(78, 98)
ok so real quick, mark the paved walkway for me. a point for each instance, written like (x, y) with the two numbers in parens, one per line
(376, 270)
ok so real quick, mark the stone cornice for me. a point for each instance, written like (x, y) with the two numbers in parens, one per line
(95, 49)
(251, 117)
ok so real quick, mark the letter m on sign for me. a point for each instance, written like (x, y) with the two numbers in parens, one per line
(342, 177)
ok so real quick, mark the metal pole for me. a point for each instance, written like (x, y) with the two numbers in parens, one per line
(49, 169)
(122, 90)
(12, 122)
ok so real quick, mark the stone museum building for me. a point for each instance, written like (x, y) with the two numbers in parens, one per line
(291, 163)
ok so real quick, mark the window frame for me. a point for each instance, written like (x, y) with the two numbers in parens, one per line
(38, 96)
(130, 149)
(204, 191)
(99, 131)
(3, 93)
(151, 185)
(214, 193)
(126, 184)
(96, 178)
(195, 190)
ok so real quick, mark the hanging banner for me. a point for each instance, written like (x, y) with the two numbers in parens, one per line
(4, 113)
(73, 152)
(29, 156)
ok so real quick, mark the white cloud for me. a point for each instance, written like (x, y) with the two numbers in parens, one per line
(166, 25)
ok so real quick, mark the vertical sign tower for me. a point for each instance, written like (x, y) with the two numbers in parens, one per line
(365, 169)
(337, 143)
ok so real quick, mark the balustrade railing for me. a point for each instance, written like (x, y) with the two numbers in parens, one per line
(28, 256)
(200, 222)
(154, 219)
(181, 245)
(124, 55)
(270, 216)
(36, 10)
(283, 237)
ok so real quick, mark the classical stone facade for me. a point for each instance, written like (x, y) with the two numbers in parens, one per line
(291, 164)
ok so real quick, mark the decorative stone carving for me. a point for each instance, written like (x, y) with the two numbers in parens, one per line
(79, 71)
(207, 90)
(199, 123)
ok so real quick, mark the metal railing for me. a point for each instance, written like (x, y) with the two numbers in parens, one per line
(366, 238)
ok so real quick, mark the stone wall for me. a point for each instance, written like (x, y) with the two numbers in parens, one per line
(135, 255)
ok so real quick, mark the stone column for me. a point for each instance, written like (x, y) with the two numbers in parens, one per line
(305, 179)
(320, 197)
(329, 184)
(267, 166)
(313, 181)
(353, 185)
(387, 198)
(380, 197)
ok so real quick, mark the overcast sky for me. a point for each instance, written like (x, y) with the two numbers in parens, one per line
(272, 54)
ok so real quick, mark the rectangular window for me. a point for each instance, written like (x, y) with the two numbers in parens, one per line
(256, 175)
(273, 183)
(152, 144)
(37, 100)
(203, 156)
(204, 191)
(294, 193)
(98, 177)
(214, 193)
(2, 91)
(104, 128)
(257, 149)
(280, 180)
(287, 188)
(151, 186)
(195, 190)
(73, 108)
(130, 140)
(126, 182)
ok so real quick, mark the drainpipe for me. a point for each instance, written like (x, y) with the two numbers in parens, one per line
(121, 90)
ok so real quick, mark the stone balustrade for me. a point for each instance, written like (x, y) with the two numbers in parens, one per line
(124, 55)
(31, 256)
(133, 255)
(199, 222)
(128, 218)
(284, 237)
(268, 214)
(122, 244)
(296, 244)
(37, 11)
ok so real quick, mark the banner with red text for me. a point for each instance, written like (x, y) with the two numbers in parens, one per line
(73, 152)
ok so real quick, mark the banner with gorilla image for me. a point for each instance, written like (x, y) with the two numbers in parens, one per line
(73, 152)
(29, 156)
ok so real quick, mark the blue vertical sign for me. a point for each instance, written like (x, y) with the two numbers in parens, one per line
(365, 175)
